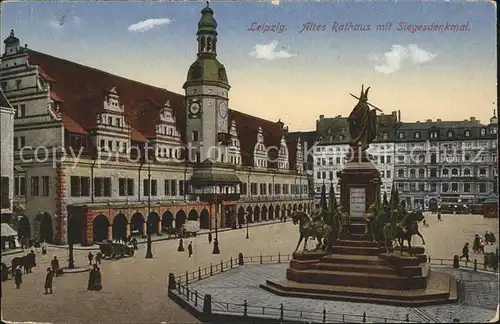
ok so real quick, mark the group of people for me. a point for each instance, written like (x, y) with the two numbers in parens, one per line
(181, 247)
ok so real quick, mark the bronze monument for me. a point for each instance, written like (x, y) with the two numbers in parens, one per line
(356, 256)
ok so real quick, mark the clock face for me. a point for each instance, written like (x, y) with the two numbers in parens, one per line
(194, 108)
(223, 109)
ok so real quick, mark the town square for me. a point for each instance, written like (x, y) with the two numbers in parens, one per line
(224, 162)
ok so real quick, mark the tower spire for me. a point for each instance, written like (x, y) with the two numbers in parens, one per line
(207, 32)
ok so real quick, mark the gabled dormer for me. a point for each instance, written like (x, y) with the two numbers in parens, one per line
(234, 147)
(167, 139)
(259, 151)
(55, 106)
(283, 163)
(299, 157)
(112, 132)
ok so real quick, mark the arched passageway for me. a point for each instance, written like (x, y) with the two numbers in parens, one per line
(24, 228)
(277, 212)
(101, 225)
(204, 219)
(294, 208)
(180, 219)
(46, 229)
(119, 227)
(271, 212)
(249, 215)
(301, 207)
(153, 222)
(137, 224)
(167, 220)
(241, 215)
(289, 210)
(433, 205)
(256, 214)
(264, 213)
(193, 215)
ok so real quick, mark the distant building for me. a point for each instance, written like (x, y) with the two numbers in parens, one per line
(446, 161)
(7, 140)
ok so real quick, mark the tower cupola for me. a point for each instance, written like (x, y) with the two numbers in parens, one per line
(207, 33)
(11, 44)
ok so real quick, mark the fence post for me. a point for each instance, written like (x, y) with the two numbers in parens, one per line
(324, 315)
(211, 270)
(221, 266)
(245, 306)
(199, 273)
(364, 317)
(279, 257)
(171, 281)
(475, 265)
(187, 293)
(456, 263)
(231, 260)
(207, 305)
(281, 312)
(240, 259)
(196, 298)
(179, 285)
(261, 258)
(429, 259)
(407, 318)
(187, 279)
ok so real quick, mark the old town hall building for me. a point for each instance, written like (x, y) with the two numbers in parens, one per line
(98, 156)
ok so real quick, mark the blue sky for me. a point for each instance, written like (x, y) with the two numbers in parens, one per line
(311, 73)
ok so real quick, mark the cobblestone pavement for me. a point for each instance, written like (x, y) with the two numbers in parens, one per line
(240, 284)
(135, 289)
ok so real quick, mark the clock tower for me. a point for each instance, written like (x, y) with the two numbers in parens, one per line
(206, 95)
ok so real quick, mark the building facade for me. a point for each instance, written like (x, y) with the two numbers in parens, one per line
(7, 140)
(99, 156)
(453, 162)
(430, 162)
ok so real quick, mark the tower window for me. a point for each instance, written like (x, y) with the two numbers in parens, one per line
(18, 84)
(194, 136)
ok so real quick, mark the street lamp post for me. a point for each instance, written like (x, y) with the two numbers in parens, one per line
(149, 253)
(216, 249)
(71, 261)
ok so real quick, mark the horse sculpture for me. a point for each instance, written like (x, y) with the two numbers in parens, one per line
(309, 228)
(404, 229)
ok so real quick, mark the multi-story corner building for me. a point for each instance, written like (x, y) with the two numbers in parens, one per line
(446, 161)
(7, 153)
(332, 148)
(82, 135)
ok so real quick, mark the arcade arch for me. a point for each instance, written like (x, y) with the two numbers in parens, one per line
(137, 224)
(101, 225)
(153, 222)
(167, 220)
(119, 227)
(46, 230)
(204, 219)
(180, 219)
(193, 215)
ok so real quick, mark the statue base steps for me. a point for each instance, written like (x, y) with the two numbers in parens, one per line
(361, 271)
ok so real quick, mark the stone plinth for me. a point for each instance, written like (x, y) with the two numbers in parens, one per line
(362, 271)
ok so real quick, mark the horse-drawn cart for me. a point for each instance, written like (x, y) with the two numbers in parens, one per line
(116, 250)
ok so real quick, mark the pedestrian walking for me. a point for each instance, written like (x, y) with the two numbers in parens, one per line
(181, 246)
(439, 216)
(465, 252)
(216, 247)
(91, 257)
(44, 248)
(210, 237)
(98, 257)
(18, 277)
(55, 266)
(190, 249)
(48, 281)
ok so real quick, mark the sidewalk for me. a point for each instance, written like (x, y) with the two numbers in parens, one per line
(164, 237)
(13, 251)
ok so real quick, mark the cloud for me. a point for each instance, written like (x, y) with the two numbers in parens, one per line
(148, 24)
(77, 21)
(392, 61)
(268, 52)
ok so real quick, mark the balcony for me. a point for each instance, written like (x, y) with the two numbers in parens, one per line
(265, 198)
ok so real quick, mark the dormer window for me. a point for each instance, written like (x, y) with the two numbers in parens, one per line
(401, 135)
(118, 122)
(494, 130)
(18, 84)
(483, 131)
(434, 134)
(467, 133)
(450, 134)
(417, 135)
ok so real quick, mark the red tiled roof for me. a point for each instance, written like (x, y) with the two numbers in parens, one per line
(55, 97)
(82, 89)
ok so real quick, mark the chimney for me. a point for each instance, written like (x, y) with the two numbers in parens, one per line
(321, 117)
(438, 120)
(473, 119)
(428, 121)
(418, 121)
(399, 115)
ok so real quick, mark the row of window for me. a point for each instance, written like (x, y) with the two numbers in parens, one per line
(449, 134)
(18, 83)
(445, 173)
(20, 110)
(80, 187)
(277, 189)
(445, 187)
